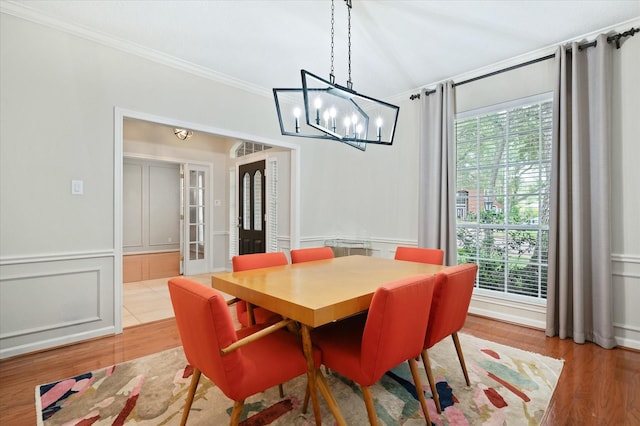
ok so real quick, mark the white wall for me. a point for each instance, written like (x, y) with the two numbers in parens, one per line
(58, 94)
(625, 194)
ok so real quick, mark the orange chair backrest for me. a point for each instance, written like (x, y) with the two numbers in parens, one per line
(451, 299)
(245, 262)
(205, 326)
(418, 254)
(310, 254)
(396, 324)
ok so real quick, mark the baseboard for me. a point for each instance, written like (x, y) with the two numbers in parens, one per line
(55, 342)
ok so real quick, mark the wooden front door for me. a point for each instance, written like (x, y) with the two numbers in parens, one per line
(252, 211)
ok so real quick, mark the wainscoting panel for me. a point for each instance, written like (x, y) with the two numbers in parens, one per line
(149, 266)
(626, 294)
(54, 301)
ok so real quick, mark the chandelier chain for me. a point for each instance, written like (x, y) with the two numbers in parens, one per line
(331, 75)
(349, 82)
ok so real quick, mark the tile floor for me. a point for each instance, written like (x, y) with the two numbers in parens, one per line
(147, 301)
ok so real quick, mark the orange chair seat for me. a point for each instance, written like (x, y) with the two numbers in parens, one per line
(259, 356)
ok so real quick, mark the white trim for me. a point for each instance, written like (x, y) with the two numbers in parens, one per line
(135, 253)
(118, 249)
(510, 300)
(119, 115)
(625, 275)
(55, 257)
(505, 106)
(271, 191)
(627, 343)
(513, 319)
(55, 342)
(164, 159)
(616, 257)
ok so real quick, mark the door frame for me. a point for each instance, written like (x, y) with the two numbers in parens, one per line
(188, 266)
(120, 114)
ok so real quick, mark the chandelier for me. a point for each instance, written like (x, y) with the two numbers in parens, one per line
(325, 110)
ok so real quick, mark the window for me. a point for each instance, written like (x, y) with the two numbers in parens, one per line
(246, 148)
(502, 195)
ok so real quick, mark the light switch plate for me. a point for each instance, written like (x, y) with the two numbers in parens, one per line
(77, 187)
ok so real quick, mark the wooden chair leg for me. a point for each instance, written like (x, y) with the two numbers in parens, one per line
(236, 413)
(195, 378)
(371, 409)
(413, 365)
(456, 342)
(432, 381)
(281, 390)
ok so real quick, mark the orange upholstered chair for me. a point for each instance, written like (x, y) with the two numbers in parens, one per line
(451, 299)
(240, 362)
(255, 315)
(364, 347)
(310, 254)
(419, 254)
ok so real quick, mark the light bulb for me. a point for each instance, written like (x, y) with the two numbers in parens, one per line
(296, 114)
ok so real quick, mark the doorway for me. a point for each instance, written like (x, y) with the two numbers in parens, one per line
(170, 150)
(252, 208)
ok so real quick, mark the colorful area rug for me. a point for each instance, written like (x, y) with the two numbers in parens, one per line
(509, 386)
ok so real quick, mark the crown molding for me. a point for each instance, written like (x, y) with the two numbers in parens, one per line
(19, 10)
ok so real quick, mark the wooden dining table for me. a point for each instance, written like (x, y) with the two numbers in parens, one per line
(317, 293)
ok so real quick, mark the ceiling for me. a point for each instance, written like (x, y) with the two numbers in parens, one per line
(397, 45)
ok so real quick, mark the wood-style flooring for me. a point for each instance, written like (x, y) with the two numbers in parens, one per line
(596, 387)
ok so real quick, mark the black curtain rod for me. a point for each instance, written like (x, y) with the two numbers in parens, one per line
(614, 38)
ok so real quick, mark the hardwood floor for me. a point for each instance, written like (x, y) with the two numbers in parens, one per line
(597, 386)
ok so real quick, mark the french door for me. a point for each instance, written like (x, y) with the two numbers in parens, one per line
(195, 220)
(252, 208)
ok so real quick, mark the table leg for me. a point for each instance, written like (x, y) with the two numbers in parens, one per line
(307, 347)
(317, 382)
(329, 398)
(251, 319)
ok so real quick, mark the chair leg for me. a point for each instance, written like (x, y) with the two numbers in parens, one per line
(456, 342)
(236, 413)
(413, 365)
(281, 390)
(432, 382)
(195, 378)
(371, 409)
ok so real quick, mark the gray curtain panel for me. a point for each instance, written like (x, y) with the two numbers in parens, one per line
(579, 299)
(436, 202)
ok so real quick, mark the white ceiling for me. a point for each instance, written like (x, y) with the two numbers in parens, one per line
(397, 45)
